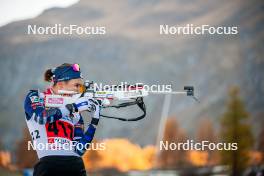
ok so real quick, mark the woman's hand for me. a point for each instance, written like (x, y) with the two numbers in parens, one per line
(96, 111)
(87, 104)
(96, 107)
(91, 105)
(83, 104)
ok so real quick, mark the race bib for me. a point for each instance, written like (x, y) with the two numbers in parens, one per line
(60, 129)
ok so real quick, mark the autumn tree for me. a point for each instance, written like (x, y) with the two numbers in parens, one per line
(91, 158)
(25, 158)
(261, 142)
(173, 158)
(235, 129)
(206, 132)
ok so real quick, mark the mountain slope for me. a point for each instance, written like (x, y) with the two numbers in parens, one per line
(133, 51)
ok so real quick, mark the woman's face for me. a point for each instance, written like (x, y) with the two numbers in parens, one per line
(75, 85)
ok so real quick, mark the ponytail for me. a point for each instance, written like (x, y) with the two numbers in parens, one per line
(48, 75)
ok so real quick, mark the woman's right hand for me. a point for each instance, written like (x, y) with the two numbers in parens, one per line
(86, 104)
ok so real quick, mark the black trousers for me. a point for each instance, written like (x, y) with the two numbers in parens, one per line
(60, 166)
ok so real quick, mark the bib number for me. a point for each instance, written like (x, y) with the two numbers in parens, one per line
(60, 129)
(35, 134)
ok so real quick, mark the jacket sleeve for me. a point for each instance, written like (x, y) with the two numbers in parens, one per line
(35, 110)
(81, 138)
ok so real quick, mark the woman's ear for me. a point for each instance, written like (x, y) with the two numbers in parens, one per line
(59, 85)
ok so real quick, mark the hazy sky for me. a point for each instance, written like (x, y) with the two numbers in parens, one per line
(13, 10)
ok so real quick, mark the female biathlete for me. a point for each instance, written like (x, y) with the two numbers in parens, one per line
(63, 125)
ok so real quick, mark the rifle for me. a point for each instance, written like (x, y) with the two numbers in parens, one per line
(128, 95)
